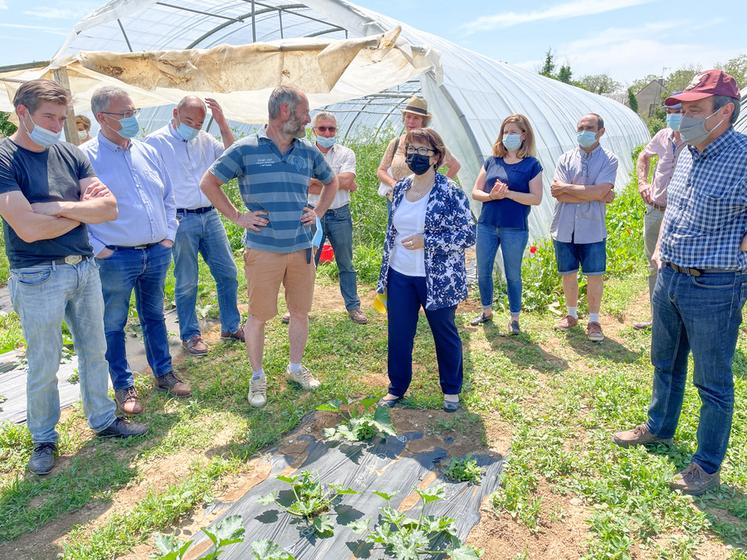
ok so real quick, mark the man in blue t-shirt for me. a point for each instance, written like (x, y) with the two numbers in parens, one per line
(273, 168)
(48, 193)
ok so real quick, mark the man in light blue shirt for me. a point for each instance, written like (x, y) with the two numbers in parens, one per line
(133, 251)
(187, 152)
(583, 183)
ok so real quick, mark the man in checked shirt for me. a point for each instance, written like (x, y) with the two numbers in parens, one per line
(702, 282)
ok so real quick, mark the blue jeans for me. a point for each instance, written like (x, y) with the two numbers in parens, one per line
(143, 270)
(337, 226)
(405, 296)
(592, 257)
(512, 242)
(44, 296)
(205, 234)
(699, 314)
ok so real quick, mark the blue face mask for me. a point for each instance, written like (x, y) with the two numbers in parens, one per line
(317, 240)
(512, 141)
(693, 129)
(130, 127)
(418, 163)
(325, 142)
(186, 132)
(41, 136)
(586, 138)
(674, 120)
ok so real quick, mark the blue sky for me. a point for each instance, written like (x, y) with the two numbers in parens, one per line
(624, 38)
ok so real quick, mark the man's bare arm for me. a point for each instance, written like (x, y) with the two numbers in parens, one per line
(97, 204)
(28, 225)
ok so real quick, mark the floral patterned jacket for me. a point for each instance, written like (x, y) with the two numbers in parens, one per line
(449, 230)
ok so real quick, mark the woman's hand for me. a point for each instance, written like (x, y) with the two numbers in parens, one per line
(499, 190)
(414, 242)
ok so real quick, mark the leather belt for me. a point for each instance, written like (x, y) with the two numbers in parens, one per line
(70, 259)
(138, 247)
(195, 210)
(658, 207)
(696, 271)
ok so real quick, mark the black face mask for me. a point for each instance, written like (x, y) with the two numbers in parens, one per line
(418, 164)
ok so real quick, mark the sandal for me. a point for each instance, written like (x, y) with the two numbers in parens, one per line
(389, 403)
(451, 406)
(482, 318)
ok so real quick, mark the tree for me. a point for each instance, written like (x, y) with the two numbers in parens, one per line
(599, 83)
(564, 74)
(640, 83)
(548, 68)
(632, 101)
(6, 127)
(679, 80)
(737, 68)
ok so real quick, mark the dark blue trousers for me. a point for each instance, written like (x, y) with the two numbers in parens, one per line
(405, 296)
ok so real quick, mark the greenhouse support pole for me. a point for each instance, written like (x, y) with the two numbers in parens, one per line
(71, 130)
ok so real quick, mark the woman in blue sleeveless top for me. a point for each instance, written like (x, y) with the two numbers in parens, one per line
(509, 183)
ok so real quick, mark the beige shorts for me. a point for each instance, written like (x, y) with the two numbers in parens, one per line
(266, 271)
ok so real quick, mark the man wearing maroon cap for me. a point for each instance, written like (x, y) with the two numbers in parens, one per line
(702, 282)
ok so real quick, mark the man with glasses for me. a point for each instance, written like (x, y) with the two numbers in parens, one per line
(187, 152)
(273, 168)
(48, 195)
(133, 251)
(337, 223)
(666, 146)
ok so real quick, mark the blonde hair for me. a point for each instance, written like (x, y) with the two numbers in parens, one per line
(426, 119)
(527, 146)
(83, 119)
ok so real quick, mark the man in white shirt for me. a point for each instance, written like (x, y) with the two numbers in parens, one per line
(337, 223)
(188, 152)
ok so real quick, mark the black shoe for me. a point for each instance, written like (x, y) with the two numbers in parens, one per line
(122, 428)
(451, 406)
(513, 328)
(482, 318)
(43, 458)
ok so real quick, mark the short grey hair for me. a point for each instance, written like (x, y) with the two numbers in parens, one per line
(288, 95)
(324, 116)
(722, 100)
(102, 97)
(191, 100)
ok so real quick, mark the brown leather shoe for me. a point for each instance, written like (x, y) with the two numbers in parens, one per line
(594, 332)
(695, 481)
(357, 316)
(640, 435)
(286, 318)
(173, 385)
(567, 322)
(195, 346)
(238, 334)
(128, 401)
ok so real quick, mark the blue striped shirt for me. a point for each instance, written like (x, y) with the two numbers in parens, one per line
(276, 183)
(706, 216)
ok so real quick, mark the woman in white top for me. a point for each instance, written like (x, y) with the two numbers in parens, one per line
(423, 266)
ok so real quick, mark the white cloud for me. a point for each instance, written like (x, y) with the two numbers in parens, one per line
(571, 9)
(71, 11)
(44, 28)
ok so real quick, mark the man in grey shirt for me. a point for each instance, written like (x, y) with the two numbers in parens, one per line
(583, 183)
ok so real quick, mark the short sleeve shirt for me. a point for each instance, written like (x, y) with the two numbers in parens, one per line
(583, 222)
(276, 183)
(50, 176)
(342, 160)
(508, 213)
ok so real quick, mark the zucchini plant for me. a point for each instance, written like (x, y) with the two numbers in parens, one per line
(362, 420)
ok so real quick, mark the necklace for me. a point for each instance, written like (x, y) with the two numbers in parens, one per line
(415, 194)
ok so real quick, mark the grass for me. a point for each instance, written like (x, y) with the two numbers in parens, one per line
(558, 396)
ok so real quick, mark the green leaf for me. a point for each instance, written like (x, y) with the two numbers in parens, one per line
(166, 543)
(268, 550)
(358, 527)
(385, 495)
(268, 499)
(323, 526)
(288, 479)
(466, 553)
(433, 494)
(332, 406)
(368, 402)
(230, 529)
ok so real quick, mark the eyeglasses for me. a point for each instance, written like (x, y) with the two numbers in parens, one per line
(420, 150)
(125, 114)
(326, 128)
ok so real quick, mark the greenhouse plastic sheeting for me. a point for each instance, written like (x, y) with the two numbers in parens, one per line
(741, 124)
(468, 93)
(386, 466)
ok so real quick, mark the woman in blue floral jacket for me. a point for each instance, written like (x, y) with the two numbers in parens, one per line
(423, 266)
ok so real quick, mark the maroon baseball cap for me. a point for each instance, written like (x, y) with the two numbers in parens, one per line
(705, 84)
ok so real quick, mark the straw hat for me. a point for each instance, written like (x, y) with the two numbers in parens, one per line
(417, 106)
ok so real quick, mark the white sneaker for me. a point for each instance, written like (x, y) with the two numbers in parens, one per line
(258, 392)
(303, 378)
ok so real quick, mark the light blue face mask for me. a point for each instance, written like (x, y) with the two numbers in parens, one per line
(317, 240)
(512, 141)
(41, 136)
(186, 132)
(130, 127)
(586, 138)
(674, 120)
(693, 129)
(325, 142)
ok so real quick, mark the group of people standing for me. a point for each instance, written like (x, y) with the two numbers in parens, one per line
(87, 227)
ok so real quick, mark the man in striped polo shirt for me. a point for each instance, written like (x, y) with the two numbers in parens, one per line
(273, 168)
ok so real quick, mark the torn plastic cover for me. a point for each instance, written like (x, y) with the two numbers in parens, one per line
(387, 466)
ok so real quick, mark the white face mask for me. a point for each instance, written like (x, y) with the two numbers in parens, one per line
(82, 135)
